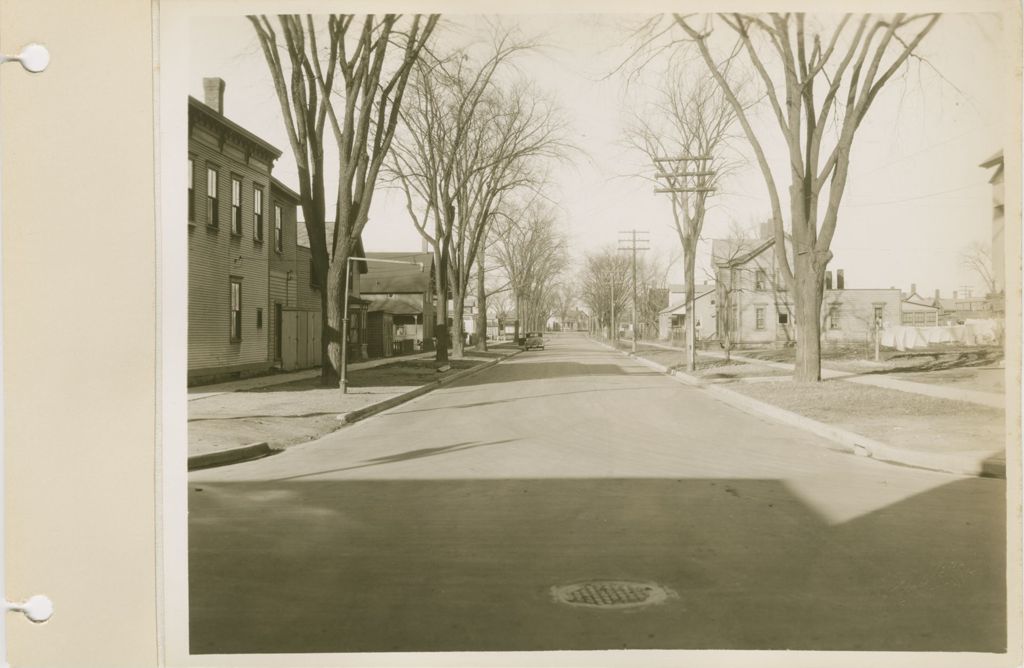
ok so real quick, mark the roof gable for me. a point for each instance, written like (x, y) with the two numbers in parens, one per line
(387, 278)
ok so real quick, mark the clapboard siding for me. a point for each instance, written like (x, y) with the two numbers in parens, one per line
(293, 257)
(216, 255)
(308, 297)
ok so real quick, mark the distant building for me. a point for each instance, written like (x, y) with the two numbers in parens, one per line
(672, 319)
(917, 311)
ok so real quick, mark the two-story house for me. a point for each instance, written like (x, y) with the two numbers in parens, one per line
(252, 301)
(754, 307)
(228, 282)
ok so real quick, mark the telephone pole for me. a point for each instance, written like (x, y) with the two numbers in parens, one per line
(686, 174)
(613, 329)
(629, 241)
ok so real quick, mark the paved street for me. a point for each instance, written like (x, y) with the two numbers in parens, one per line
(444, 524)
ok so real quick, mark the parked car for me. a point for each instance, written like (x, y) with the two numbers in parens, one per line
(534, 340)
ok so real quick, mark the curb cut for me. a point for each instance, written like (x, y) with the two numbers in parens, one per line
(853, 443)
(367, 411)
(237, 455)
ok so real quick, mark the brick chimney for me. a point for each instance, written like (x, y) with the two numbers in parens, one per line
(937, 294)
(213, 93)
(828, 279)
(913, 288)
(840, 280)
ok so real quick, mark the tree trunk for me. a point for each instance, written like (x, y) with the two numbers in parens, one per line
(335, 305)
(458, 335)
(328, 374)
(441, 311)
(481, 302)
(441, 332)
(809, 284)
(518, 320)
(689, 257)
(724, 317)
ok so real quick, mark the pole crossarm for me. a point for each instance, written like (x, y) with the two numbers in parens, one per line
(684, 190)
(667, 175)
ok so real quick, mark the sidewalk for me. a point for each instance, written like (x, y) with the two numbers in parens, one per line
(242, 420)
(203, 391)
(892, 421)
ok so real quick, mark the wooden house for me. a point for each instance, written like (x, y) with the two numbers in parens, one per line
(401, 302)
(754, 307)
(228, 282)
(253, 303)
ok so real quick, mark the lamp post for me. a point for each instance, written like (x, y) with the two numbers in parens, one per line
(343, 371)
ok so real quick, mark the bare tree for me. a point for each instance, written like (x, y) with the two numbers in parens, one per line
(468, 143)
(820, 75)
(532, 255)
(605, 285)
(977, 257)
(357, 57)
(691, 120)
(499, 303)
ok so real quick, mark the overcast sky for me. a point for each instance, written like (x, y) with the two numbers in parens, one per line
(916, 194)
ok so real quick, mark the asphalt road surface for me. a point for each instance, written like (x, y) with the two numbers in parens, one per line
(449, 522)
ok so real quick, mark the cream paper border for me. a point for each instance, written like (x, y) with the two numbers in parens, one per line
(79, 332)
(170, 33)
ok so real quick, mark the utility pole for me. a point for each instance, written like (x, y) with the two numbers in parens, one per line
(631, 243)
(680, 182)
(613, 330)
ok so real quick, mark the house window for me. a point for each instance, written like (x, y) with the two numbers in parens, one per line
(759, 315)
(878, 314)
(278, 229)
(259, 318)
(833, 317)
(314, 280)
(257, 213)
(783, 318)
(760, 280)
(236, 205)
(236, 309)
(212, 214)
(191, 190)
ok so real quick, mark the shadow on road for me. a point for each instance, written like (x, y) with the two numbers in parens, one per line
(448, 565)
(404, 457)
(524, 368)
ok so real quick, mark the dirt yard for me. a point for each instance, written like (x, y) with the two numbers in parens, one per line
(898, 418)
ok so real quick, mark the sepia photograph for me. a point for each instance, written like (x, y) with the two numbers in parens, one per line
(535, 332)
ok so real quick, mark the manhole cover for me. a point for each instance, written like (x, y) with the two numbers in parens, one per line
(611, 594)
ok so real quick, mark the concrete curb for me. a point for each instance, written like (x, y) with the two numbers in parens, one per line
(975, 463)
(381, 406)
(237, 455)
